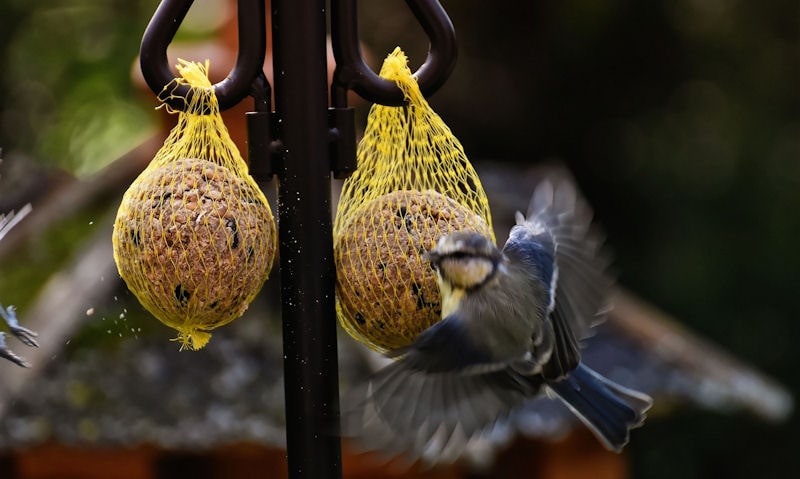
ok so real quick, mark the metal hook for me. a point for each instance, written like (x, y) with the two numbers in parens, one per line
(249, 61)
(354, 74)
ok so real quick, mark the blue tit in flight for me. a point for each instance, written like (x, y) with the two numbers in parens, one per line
(513, 322)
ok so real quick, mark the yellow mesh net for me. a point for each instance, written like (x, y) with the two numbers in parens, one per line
(194, 238)
(413, 185)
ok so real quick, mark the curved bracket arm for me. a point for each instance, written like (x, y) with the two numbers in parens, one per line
(249, 61)
(353, 73)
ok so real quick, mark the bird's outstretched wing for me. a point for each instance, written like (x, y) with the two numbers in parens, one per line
(430, 416)
(7, 221)
(557, 238)
(442, 391)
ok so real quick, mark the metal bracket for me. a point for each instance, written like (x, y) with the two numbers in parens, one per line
(352, 73)
(249, 61)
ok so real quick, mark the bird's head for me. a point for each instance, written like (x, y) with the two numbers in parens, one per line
(465, 260)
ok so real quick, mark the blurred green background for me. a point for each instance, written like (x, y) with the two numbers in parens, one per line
(680, 120)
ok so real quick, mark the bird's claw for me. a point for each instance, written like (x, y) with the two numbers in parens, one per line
(11, 355)
(25, 335)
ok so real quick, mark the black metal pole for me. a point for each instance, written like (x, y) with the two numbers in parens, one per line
(306, 247)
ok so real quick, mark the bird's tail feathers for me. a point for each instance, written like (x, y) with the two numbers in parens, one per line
(609, 410)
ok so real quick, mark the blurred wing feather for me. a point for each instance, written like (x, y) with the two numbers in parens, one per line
(559, 219)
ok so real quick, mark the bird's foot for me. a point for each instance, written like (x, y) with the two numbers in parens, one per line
(11, 355)
(25, 335)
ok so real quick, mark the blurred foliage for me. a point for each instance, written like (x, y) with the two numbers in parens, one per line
(679, 118)
(67, 98)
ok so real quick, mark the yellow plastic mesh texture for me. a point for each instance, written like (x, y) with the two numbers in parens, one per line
(194, 238)
(413, 185)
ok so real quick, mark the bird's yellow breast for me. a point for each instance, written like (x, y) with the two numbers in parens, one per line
(451, 297)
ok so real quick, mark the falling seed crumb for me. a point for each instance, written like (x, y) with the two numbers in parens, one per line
(89, 311)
